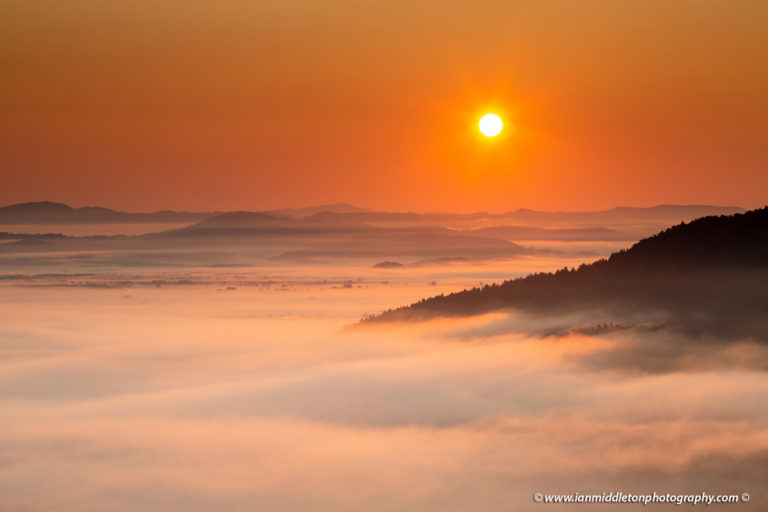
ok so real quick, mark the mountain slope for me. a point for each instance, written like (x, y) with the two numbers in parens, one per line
(710, 275)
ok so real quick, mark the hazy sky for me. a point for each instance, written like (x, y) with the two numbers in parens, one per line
(220, 105)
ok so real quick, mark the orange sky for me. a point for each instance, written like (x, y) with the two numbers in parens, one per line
(147, 104)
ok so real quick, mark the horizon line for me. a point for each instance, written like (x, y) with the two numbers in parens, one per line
(370, 210)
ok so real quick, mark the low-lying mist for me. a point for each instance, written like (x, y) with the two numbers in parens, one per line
(203, 392)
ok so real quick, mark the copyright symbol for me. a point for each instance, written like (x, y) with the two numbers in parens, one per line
(745, 497)
(538, 498)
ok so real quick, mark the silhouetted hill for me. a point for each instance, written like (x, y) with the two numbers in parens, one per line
(240, 220)
(247, 237)
(728, 241)
(312, 210)
(249, 224)
(388, 264)
(709, 276)
(46, 212)
(277, 238)
(617, 224)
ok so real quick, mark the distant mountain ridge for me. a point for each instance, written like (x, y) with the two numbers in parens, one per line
(312, 210)
(47, 212)
(625, 214)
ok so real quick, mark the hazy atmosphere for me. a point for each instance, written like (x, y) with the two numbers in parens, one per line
(198, 105)
(412, 256)
(220, 364)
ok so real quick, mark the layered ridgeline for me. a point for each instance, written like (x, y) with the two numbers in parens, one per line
(47, 212)
(513, 224)
(33, 234)
(707, 276)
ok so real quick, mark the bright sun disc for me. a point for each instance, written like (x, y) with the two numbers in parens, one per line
(490, 125)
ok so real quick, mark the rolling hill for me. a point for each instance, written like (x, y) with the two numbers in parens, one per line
(47, 212)
(710, 275)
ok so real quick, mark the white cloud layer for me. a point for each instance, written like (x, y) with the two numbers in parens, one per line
(198, 400)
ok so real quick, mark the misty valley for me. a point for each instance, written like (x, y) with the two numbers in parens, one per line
(573, 359)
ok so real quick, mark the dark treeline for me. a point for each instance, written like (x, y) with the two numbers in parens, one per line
(710, 276)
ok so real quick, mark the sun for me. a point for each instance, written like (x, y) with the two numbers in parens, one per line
(490, 125)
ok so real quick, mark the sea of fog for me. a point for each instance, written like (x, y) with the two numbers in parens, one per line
(248, 391)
